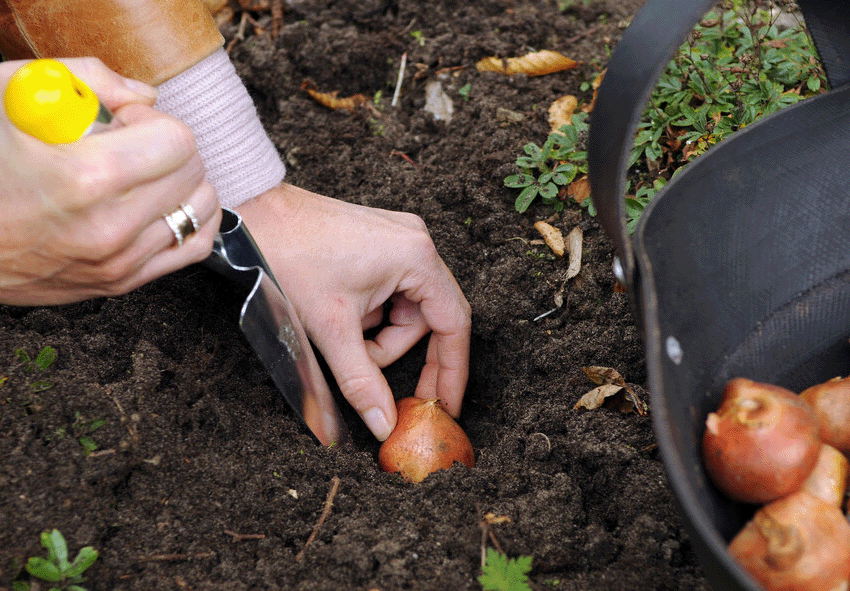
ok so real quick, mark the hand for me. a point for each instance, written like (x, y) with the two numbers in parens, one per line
(339, 263)
(86, 219)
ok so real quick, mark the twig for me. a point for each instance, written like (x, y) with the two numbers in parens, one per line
(400, 79)
(329, 503)
(277, 17)
(240, 33)
(241, 537)
(582, 35)
(174, 557)
(405, 157)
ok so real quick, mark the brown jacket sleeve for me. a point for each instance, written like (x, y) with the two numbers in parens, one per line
(150, 40)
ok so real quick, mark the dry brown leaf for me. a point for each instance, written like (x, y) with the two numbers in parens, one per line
(595, 85)
(537, 63)
(579, 189)
(551, 236)
(607, 379)
(598, 396)
(330, 100)
(561, 112)
(493, 519)
(574, 245)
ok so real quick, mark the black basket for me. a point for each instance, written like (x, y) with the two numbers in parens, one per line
(740, 266)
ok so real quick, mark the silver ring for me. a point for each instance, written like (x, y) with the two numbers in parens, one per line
(190, 213)
(183, 223)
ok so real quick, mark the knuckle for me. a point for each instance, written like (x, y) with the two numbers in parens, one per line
(91, 180)
(414, 221)
(357, 391)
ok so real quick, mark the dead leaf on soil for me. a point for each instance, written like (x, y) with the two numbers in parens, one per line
(330, 99)
(493, 519)
(579, 189)
(611, 392)
(595, 85)
(551, 236)
(574, 246)
(561, 112)
(537, 63)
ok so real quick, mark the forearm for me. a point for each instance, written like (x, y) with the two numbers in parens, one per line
(175, 45)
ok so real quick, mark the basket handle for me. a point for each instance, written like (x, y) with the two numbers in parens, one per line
(637, 63)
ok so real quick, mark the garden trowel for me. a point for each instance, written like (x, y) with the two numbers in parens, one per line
(47, 101)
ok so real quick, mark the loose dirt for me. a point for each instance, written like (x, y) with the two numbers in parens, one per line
(203, 478)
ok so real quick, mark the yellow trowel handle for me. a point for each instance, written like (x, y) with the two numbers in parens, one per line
(45, 100)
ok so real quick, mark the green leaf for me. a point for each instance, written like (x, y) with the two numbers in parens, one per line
(77, 588)
(20, 586)
(85, 558)
(516, 181)
(533, 150)
(526, 163)
(526, 197)
(88, 444)
(548, 191)
(45, 358)
(501, 573)
(544, 178)
(22, 355)
(58, 549)
(813, 83)
(43, 569)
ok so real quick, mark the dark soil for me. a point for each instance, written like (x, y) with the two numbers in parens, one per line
(198, 445)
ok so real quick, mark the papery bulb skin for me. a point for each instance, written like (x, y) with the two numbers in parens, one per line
(425, 439)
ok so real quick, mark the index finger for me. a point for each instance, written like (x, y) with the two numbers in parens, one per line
(446, 369)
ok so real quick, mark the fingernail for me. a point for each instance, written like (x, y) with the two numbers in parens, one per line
(140, 87)
(377, 422)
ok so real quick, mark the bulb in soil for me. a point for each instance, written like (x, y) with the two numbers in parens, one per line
(797, 543)
(426, 439)
(762, 442)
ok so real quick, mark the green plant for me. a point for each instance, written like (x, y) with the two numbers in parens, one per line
(735, 67)
(463, 91)
(420, 38)
(545, 169)
(56, 569)
(41, 363)
(501, 573)
(83, 430)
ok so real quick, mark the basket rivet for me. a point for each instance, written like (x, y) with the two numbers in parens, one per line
(674, 350)
(619, 273)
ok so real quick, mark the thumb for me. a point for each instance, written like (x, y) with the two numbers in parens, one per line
(360, 380)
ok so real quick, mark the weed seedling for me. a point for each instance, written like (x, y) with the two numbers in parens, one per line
(56, 570)
(545, 169)
(501, 573)
(40, 364)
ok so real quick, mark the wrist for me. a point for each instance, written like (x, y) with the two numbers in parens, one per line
(240, 160)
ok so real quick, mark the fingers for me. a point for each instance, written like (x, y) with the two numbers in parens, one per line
(147, 147)
(112, 89)
(446, 311)
(357, 375)
(407, 327)
(155, 239)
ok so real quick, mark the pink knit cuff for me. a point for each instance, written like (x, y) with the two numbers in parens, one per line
(240, 160)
